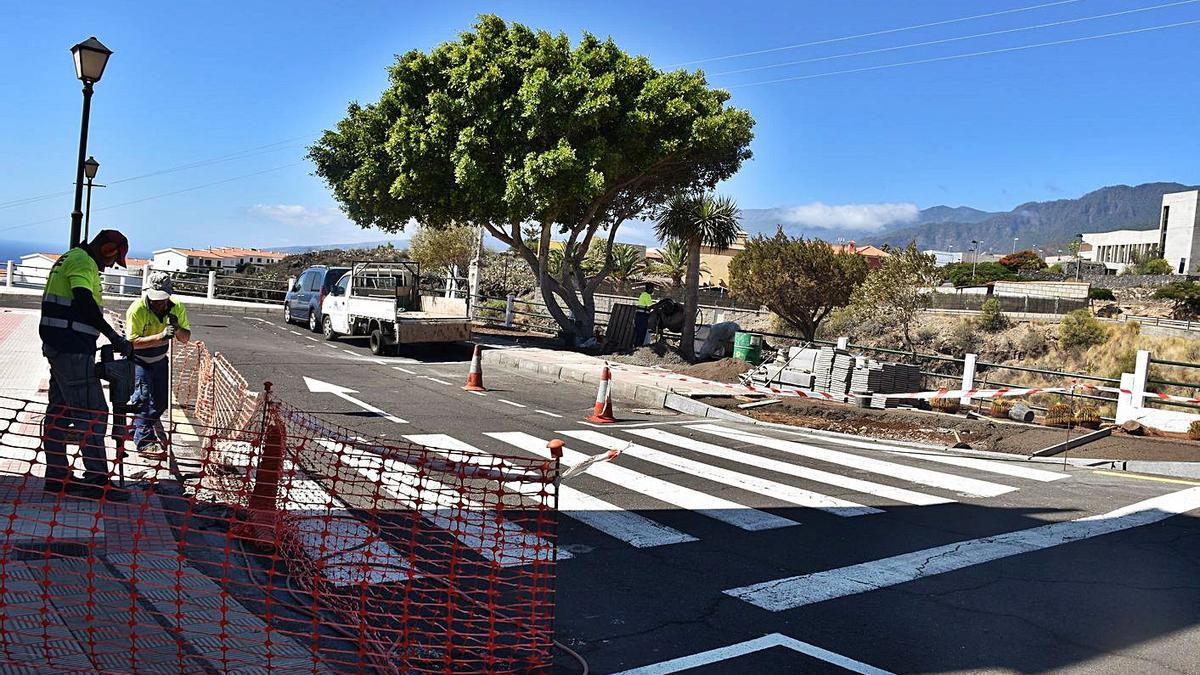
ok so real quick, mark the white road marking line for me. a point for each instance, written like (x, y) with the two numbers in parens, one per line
(296, 333)
(405, 370)
(792, 592)
(317, 386)
(547, 413)
(716, 474)
(990, 466)
(627, 526)
(749, 647)
(512, 403)
(434, 379)
(816, 475)
(477, 393)
(341, 540)
(724, 510)
(309, 337)
(500, 541)
(332, 346)
(967, 486)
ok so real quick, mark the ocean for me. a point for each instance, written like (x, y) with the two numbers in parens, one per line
(13, 250)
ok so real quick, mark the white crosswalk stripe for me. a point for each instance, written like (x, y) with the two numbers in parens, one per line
(962, 485)
(627, 526)
(768, 488)
(1004, 468)
(816, 475)
(501, 541)
(724, 510)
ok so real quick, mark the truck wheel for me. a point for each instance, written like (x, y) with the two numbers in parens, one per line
(379, 346)
(327, 330)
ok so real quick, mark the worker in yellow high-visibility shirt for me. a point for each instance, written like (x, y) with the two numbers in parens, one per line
(71, 323)
(641, 320)
(151, 324)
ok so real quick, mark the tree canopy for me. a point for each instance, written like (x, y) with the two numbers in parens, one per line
(800, 280)
(967, 274)
(1184, 294)
(443, 249)
(1023, 260)
(508, 126)
(894, 292)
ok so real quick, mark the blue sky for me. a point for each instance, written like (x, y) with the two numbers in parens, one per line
(237, 89)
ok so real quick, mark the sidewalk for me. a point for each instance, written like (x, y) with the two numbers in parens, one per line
(100, 586)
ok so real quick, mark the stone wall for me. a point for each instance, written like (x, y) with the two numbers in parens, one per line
(1134, 280)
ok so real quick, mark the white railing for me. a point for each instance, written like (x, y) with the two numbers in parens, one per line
(196, 284)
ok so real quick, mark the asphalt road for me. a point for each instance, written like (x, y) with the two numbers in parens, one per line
(742, 549)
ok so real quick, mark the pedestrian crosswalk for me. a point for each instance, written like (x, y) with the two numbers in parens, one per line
(697, 477)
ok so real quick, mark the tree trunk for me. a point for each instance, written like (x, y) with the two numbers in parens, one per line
(691, 295)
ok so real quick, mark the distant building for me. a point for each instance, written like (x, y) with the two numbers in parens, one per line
(873, 255)
(224, 259)
(942, 258)
(1177, 239)
(717, 262)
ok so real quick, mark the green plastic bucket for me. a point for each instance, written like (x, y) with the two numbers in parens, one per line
(747, 347)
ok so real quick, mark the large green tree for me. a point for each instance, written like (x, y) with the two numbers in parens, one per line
(508, 127)
(897, 290)
(697, 219)
(800, 280)
(673, 261)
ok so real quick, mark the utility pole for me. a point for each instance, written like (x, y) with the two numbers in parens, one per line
(974, 258)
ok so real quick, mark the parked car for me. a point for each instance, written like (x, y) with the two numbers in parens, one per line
(304, 298)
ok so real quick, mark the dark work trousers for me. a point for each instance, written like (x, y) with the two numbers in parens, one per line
(149, 402)
(641, 321)
(76, 402)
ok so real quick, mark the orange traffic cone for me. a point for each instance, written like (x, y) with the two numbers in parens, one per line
(603, 412)
(475, 377)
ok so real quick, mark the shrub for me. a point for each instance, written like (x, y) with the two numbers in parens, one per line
(1023, 260)
(1194, 431)
(1032, 343)
(492, 310)
(1060, 415)
(1080, 329)
(1056, 268)
(963, 337)
(990, 318)
(1088, 415)
(1101, 294)
(967, 274)
(926, 335)
(945, 404)
(1000, 407)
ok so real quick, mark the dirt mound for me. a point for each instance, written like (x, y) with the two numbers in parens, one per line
(657, 354)
(725, 370)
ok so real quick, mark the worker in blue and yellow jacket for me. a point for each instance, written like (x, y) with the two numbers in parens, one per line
(71, 323)
(151, 324)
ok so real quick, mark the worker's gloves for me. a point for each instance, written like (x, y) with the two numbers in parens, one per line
(168, 333)
(123, 346)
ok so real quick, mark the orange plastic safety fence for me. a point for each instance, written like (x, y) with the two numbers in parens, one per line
(271, 540)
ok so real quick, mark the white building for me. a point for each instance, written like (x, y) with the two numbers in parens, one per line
(1177, 239)
(224, 259)
(942, 258)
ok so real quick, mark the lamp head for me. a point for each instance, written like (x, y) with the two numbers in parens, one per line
(90, 58)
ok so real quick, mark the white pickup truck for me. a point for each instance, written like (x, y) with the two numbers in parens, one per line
(382, 300)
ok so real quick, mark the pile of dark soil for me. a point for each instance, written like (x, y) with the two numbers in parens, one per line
(657, 354)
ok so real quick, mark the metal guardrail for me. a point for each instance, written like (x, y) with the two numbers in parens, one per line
(1166, 323)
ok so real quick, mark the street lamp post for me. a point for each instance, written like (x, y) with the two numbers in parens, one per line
(974, 258)
(90, 58)
(90, 167)
(1015, 245)
(1078, 247)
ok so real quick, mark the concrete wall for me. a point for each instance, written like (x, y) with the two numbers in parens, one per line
(1042, 289)
(1182, 243)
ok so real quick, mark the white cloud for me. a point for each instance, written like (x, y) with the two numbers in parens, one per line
(861, 217)
(298, 215)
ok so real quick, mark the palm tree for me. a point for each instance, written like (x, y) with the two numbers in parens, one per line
(697, 219)
(628, 265)
(674, 263)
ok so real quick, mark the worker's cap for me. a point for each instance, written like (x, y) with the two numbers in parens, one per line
(158, 286)
(111, 243)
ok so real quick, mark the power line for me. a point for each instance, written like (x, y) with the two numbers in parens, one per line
(875, 33)
(969, 55)
(239, 154)
(158, 196)
(956, 39)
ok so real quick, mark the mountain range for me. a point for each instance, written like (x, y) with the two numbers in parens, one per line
(1036, 224)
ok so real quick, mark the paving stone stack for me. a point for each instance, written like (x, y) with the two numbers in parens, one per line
(840, 376)
(823, 368)
(870, 378)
